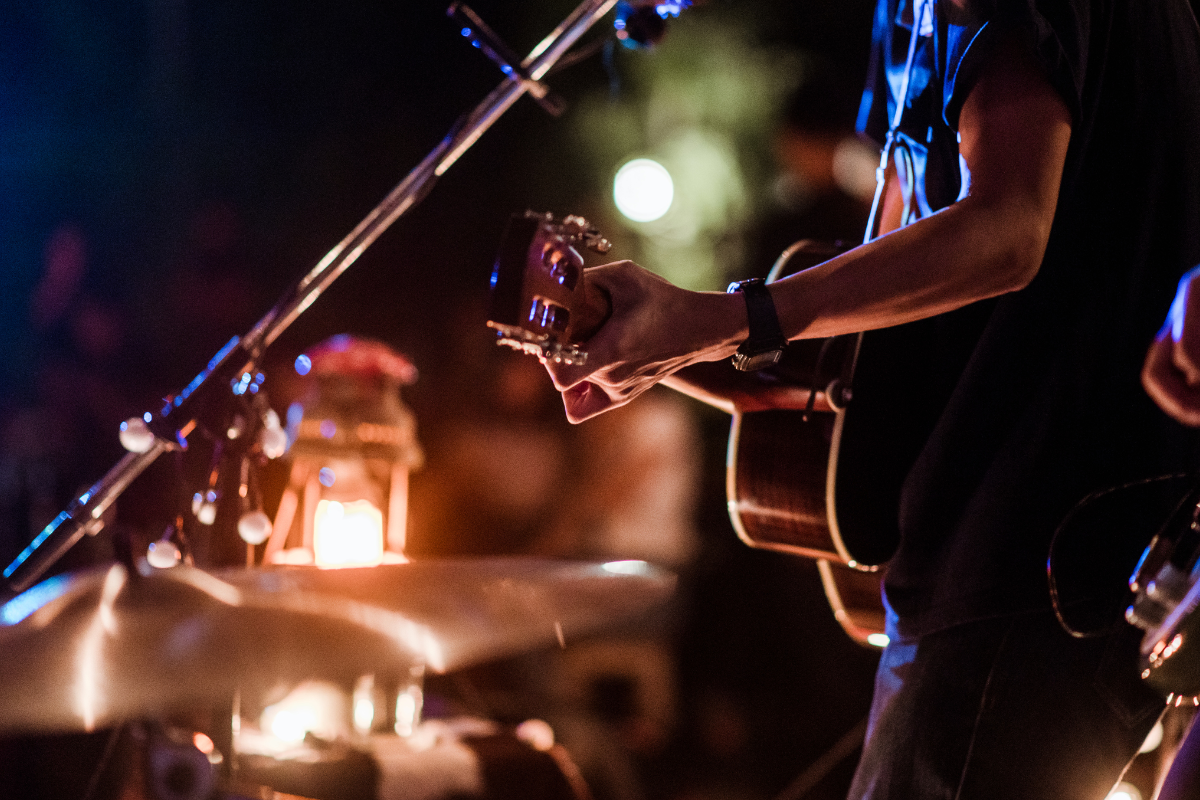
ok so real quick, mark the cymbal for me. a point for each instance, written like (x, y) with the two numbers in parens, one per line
(87, 650)
(479, 609)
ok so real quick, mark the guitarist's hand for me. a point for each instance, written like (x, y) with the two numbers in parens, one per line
(655, 329)
(1171, 373)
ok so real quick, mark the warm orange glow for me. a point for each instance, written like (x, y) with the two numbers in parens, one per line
(408, 709)
(203, 743)
(347, 534)
(313, 707)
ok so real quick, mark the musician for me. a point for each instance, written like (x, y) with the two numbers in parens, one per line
(1045, 204)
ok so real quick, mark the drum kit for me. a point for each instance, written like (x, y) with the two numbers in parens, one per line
(157, 649)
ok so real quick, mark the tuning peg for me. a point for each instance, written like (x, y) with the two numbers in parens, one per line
(579, 229)
(136, 436)
(273, 438)
(597, 243)
(163, 554)
(254, 527)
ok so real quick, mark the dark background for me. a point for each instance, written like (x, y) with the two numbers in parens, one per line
(168, 168)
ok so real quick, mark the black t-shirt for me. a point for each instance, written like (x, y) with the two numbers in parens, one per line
(1034, 398)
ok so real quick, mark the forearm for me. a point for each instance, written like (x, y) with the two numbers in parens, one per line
(932, 266)
(694, 381)
(967, 252)
(1014, 132)
(719, 385)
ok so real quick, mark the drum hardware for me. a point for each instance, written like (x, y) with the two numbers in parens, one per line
(176, 766)
(90, 649)
(485, 39)
(474, 610)
(233, 368)
(644, 24)
(156, 760)
(457, 757)
(154, 635)
(93, 649)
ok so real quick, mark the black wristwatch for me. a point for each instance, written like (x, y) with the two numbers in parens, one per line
(766, 341)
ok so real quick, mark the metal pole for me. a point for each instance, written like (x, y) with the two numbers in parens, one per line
(178, 416)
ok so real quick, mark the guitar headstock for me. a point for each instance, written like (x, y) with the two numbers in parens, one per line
(538, 299)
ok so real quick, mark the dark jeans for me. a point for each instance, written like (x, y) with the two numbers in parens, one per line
(1007, 708)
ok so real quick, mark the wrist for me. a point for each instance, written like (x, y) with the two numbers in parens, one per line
(700, 326)
(765, 341)
(722, 324)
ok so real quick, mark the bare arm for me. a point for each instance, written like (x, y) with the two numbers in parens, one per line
(718, 384)
(1014, 134)
(1015, 129)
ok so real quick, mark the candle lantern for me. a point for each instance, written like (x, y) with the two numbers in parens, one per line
(353, 446)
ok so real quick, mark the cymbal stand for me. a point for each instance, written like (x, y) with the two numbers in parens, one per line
(168, 428)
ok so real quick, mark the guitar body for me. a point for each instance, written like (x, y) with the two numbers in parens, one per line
(778, 480)
(782, 469)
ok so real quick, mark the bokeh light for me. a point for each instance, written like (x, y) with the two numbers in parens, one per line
(1153, 739)
(1124, 791)
(643, 190)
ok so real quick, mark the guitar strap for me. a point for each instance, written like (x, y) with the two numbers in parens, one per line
(922, 17)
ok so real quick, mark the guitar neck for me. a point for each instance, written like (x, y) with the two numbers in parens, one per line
(718, 384)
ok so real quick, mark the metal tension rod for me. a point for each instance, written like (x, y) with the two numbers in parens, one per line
(178, 417)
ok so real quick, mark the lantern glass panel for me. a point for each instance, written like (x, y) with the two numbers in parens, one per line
(348, 534)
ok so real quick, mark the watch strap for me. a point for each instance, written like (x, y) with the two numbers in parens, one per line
(765, 343)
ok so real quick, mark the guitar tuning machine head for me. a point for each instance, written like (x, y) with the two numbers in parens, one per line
(562, 262)
(574, 229)
(598, 245)
(580, 230)
(541, 345)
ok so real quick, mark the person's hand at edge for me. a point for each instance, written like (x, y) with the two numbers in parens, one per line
(1171, 373)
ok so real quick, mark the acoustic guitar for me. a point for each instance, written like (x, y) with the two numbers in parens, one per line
(783, 455)
(782, 468)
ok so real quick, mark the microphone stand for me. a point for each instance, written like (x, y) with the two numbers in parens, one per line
(180, 413)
